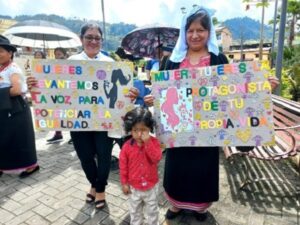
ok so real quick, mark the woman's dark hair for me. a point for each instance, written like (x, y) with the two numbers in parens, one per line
(63, 50)
(9, 49)
(138, 115)
(204, 19)
(87, 26)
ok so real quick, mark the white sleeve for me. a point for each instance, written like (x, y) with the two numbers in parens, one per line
(15, 69)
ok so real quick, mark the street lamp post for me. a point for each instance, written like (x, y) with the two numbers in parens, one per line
(103, 21)
(242, 43)
(280, 44)
(273, 35)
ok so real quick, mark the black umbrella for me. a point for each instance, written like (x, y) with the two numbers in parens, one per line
(144, 41)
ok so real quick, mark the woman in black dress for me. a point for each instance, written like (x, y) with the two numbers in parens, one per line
(191, 178)
(17, 141)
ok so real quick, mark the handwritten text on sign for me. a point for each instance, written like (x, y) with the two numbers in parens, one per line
(214, 106)
(81, 95)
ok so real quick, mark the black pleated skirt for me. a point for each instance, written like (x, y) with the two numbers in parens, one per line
(192, 174)
(17, 140)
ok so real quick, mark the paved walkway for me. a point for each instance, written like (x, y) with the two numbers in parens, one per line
(55, 195)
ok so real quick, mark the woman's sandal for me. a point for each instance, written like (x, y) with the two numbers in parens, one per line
(28, 172)
(200, 216)
(100, 204)
(170, 215)
(89, 198)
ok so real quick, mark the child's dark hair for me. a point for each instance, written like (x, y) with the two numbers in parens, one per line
(41, 52)
(62, 50)
(138, 115)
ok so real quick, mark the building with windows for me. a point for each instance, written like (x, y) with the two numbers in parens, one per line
(248, 51)
(237, 51)
(224, 38)
(5, 24)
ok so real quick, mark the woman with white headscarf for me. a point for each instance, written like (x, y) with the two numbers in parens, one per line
(191, 178)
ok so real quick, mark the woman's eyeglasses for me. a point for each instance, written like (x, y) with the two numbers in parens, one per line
(91, 38)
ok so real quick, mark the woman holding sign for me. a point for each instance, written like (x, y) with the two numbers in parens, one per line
(93, 148)
(91, 144)
(191, 178)
(17, 143)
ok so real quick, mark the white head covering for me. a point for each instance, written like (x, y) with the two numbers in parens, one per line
(180, 50)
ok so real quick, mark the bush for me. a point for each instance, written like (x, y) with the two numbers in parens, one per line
(290, 76)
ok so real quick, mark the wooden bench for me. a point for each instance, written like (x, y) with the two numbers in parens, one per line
(287, 136)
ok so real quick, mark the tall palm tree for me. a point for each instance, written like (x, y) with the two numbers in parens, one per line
(263, 4)
(293, 10)
(293, 14)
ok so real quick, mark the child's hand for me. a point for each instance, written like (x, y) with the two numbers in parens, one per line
(133, 93)
(145, 136)
(126, 189)
(149, 100)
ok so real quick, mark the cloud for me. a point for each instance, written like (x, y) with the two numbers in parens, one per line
(130, 11)
(134, 11)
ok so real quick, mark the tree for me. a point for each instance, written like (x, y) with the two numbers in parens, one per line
(215, 21)
(114, 32)
(293, 10)
(263, 4)
(293, 14)
(292, 64)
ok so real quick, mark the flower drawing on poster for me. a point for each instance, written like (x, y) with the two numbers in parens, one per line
(177, 110)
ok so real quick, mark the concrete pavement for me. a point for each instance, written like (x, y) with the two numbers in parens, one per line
(55, 195)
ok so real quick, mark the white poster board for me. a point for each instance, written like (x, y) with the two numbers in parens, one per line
(81, 95)
(224, 105)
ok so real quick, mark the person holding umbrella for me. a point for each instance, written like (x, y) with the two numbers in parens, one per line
(17, 142)
(147, 42)
(153, 64)
(93, 147)
(167, 51)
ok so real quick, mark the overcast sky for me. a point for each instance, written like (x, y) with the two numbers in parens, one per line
(139, 12)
